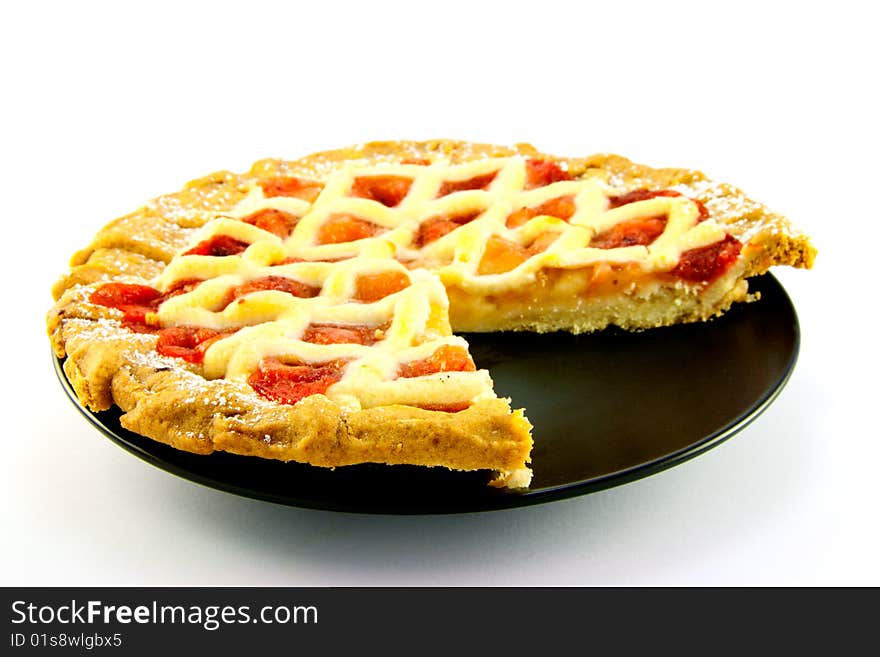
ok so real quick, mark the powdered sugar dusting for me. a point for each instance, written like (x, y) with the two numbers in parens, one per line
(107, 330)
(218, 393)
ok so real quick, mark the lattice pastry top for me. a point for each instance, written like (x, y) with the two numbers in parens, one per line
(370, 319)
(446, 217)
(295, 255)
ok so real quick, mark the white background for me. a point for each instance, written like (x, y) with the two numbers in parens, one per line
(106, 106)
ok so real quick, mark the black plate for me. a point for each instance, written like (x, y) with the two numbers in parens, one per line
(607, 408)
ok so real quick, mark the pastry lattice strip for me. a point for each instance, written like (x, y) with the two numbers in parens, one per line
(397, 200)
(409, 325)
(458, 253)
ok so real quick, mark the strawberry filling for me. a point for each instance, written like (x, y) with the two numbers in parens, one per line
(707, 263)
(218, 246)
(501, 255)
(448, 358)
(336, 334)
(434, 228)
(387, 190)
(342, 228)
(646, 194)
(540, 173)
(279, 283)
(137, 301)
(188, 342)
(636, 232)
(561, 208)
(372, 287)
(274, 221)
(477, 182)
(288, 384)
(703, 264)
(306, 190)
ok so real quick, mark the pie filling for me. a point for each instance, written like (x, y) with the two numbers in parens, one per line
(301, 287)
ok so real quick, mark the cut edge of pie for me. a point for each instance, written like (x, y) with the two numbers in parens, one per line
(527, 285)
(175, 405)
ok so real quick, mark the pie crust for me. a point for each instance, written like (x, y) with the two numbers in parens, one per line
(479, 198)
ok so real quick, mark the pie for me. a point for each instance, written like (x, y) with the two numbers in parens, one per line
(305, 311)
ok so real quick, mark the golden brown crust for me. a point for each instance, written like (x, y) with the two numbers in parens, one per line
(168, 401)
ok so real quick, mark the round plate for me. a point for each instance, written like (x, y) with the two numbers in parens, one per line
(607, 408)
